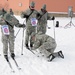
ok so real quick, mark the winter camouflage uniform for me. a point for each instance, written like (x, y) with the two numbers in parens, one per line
(45, 44)
(9, 21)
(42, 21)
(29, 14)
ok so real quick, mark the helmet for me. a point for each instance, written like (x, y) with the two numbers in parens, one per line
(10, 9)
(44, 7)
(32, 4)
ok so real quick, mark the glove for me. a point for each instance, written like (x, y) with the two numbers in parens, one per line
(26, 16)
(53, 18)
(23, 15)
(22, 25)
(38, 15)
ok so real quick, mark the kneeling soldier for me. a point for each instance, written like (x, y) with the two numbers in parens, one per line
(46, 45)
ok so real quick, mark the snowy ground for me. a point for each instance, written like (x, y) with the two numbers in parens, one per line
(33, 65)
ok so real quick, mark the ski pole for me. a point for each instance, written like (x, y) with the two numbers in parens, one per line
(22, 42)
(17, 33)
(54, 28)
(22, 39)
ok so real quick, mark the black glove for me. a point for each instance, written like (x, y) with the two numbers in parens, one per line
(53, 18)
(22, 25)
(25, 16)
(38, 15)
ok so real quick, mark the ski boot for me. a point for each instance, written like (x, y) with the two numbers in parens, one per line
(6, 57)
(27, 46)
(31, 45)
(51, 57)
(61, 54)
(12, 55)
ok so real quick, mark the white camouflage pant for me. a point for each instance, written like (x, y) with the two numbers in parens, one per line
(47, 48)
(8, 40)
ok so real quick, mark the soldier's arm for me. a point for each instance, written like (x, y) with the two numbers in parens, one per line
(15, 22)
(2, 21)
(49, 17)
(36, 45)
(39, 15)
(24, 15)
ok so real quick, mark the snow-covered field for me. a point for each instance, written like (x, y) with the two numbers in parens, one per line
(32, 65)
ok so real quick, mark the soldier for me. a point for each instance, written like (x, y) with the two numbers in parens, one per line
(46, 45)
(11, 12)
(2, 12)
(42, 21)
(7, 28)
(31, 22)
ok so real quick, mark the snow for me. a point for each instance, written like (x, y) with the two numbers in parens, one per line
(32, 65)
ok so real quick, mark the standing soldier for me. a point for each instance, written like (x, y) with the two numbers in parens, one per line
(42, 21)
(11, 12)
(7, 23)
(31, 22)
(46, 45)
